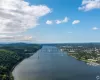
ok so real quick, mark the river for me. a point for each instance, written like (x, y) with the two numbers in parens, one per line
(50, 63)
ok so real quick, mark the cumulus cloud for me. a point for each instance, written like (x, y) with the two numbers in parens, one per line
(76, 22)
(49, 22)
(66, 19)
(89, 5)
(95, 28)
(15, 38)
(18, 15)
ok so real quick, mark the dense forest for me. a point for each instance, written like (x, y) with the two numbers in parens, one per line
(12, 54)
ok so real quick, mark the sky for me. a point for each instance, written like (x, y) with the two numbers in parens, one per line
(50, 21)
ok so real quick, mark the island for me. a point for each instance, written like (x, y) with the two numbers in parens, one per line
(12, 54)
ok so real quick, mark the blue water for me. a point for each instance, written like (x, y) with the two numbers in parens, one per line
(50, 63)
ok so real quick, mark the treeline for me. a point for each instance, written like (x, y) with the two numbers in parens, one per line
(11, 54)
(82, 55)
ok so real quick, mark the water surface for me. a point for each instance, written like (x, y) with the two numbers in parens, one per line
(50, 63)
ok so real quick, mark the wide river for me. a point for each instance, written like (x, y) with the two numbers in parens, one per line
(50, 63)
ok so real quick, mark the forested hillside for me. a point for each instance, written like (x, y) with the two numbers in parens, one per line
(11, 54)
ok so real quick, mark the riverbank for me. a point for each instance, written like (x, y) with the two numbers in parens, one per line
(10, 73)
(90, 62)
(12, 55)
(19, 63)
(92, 59)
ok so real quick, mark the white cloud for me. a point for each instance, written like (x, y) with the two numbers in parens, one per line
(89, 5)
(66, 19)
(58, 22)
(95, 28)
(76, 22)
(18, 16)
(49, 22)
(15, 38)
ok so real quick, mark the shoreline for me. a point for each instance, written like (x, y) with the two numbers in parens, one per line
(91, 63)
(10, 73)
(12, 55)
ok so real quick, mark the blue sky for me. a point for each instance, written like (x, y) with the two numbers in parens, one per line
(66, 32)
(66, 21)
